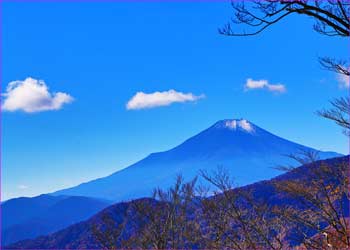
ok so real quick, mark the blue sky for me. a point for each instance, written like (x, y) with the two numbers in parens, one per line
(101, 54)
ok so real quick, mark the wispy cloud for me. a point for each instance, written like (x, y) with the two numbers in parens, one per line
(264, 84)
(22, 187)
(143, 100)
(343, 80)
(31, 96)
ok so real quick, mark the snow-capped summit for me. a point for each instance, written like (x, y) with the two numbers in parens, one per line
(249, 152)
(234, 124)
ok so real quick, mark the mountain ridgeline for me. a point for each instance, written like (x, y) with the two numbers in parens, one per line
(82, 236)
(249, 152)
(25, 218)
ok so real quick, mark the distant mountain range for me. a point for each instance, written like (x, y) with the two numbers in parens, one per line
(249, 152)
(80, 236)
(25, 218)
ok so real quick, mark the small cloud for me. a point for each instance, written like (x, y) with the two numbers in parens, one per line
(31, 96)
(143, 100)
(251, 84)
(22, 187)
(264, 84)
(343, 81)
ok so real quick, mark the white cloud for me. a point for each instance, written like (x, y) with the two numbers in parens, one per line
(22, 187)
(251, 84)
(264, 84)
(143, 100)
(31, 96)
(343, 81)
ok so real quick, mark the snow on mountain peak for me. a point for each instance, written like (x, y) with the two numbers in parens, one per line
(238, 124)
(232, 124)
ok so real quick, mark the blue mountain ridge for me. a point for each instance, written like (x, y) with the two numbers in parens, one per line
(249, 152)
(80, 235)
(25, 218)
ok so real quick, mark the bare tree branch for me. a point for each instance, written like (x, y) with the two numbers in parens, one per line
(339, 113)
(331, 17)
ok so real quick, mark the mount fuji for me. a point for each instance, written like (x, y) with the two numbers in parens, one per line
(249, 152)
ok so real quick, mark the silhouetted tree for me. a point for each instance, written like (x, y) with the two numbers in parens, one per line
(237, 220)
(171, 221)
(319, 218)
(339, 113)
(167, 220)
(331, 16)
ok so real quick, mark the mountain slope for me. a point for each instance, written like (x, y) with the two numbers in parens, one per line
(79, 236)
(18, 210)
(25, 218)
(249, 152)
